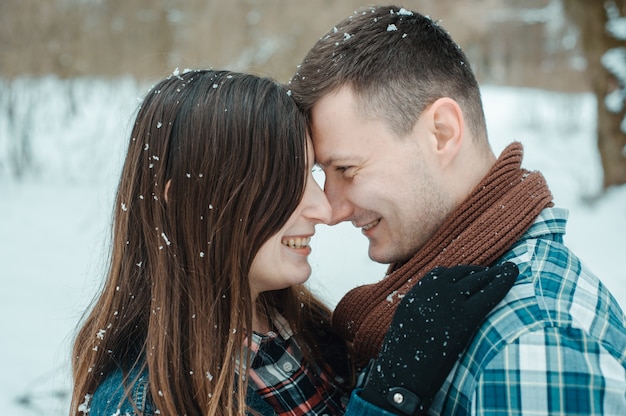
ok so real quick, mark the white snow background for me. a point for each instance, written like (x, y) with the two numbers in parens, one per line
(54, 222)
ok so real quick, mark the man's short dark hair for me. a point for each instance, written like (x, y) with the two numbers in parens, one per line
(397, 62)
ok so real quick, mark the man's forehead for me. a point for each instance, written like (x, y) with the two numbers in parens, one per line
(335, 150)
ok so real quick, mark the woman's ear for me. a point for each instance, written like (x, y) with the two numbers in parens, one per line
(449, 128)
(167, 190)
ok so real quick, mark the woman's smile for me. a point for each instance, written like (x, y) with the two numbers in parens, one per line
(296, 242)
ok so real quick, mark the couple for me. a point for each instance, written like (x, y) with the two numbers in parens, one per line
(204, 311)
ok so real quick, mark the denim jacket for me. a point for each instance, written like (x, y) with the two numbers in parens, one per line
(109, 398)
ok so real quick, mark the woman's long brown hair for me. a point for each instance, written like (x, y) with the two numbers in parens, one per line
(231, 149)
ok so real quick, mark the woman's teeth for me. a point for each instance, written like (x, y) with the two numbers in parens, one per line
(296, 242)
(370, 225)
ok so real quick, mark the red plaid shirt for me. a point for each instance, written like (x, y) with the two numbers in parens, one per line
(288, 382)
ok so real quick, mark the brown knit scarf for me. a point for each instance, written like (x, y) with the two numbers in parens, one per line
(479, 231)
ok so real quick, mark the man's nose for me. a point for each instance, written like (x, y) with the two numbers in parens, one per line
(341, 207)
(317, 207)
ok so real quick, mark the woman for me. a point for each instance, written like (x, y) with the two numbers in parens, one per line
(204, 311)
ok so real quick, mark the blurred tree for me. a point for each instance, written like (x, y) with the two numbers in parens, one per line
(603, 38)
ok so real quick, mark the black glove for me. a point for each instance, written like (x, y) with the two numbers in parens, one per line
(432, 325)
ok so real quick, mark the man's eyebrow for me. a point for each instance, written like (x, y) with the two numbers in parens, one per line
(324, 164)
(333, 161)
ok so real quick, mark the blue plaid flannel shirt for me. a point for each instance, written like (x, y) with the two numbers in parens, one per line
(281, 375)
(556, 344)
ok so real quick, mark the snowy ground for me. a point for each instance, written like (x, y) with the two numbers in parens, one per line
(54, 226)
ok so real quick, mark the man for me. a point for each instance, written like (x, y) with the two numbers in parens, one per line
(398, 127)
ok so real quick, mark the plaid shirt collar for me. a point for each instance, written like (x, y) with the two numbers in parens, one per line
(282, 330)
(288, 382)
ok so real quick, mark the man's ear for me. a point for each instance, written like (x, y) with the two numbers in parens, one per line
(167, 190)
(448, 128)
